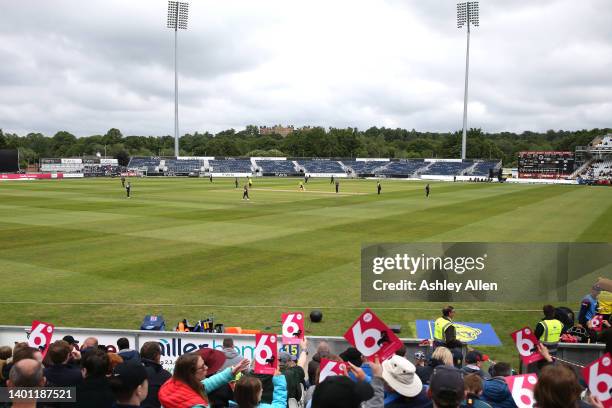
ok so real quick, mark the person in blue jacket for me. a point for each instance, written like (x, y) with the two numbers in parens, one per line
(495, 390)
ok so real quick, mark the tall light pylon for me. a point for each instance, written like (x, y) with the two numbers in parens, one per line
(467, 14)
(178, 13)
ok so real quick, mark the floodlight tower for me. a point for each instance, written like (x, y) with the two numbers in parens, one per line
(178, 14)
(467, 14)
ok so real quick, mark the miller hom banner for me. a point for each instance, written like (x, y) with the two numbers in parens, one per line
(481, 271)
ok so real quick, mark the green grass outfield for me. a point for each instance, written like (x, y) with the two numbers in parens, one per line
(182, 242)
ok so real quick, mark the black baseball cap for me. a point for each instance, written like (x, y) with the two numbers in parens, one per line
(70, 340)
(130, 374)
(341, 392)
(352, 355)
(446, 385)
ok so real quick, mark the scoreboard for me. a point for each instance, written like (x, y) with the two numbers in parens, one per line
(545, 164)
(9, 160)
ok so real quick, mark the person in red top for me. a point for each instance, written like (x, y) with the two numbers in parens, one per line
(188, 386)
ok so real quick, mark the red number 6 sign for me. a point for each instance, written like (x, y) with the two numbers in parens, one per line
(293, 327)
(598, 376)
(266, 353)
(40, 336)
(372, 337)
(526, 344)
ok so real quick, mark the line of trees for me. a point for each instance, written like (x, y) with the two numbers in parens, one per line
(311, 142)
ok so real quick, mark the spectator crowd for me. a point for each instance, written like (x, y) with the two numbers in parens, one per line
(438, 375)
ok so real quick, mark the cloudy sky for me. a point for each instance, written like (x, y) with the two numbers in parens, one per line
(87, 66)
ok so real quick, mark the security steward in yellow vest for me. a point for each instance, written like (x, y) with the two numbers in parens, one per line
(605, 304)
(549, 329)
(444, 330)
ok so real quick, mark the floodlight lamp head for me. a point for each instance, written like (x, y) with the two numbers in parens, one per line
(467, 13)
(178, 15)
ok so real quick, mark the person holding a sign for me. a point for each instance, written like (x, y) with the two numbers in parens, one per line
(188, 385)
(294, 371)
(444, 329)
(60, 373)
(549, 329)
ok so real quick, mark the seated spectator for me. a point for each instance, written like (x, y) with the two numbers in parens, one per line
(60, 373)
(125, 351)
(323, 351)
(75, 354)
(316, 379)
(401, 351)
(440, 356)
(5, 354)
(249, 390)
(473, 361)
(89, 343)
(341, 392)
(267, 386)
(21, 351)
(495, 390)
(352, 355)
(606, 337)
(293, 374)
(232, 357)
(26, 373)
(473, 389)
(457, 354)
(188, 385)
(95, 390)
(558, 387)
(114, 360)
(420, 359)
(294, 370)
(446, 387)
(129, 384)
(71, 340)
(150, 356)
(404, 388)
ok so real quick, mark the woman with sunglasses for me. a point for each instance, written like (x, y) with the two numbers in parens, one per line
(188, 386)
